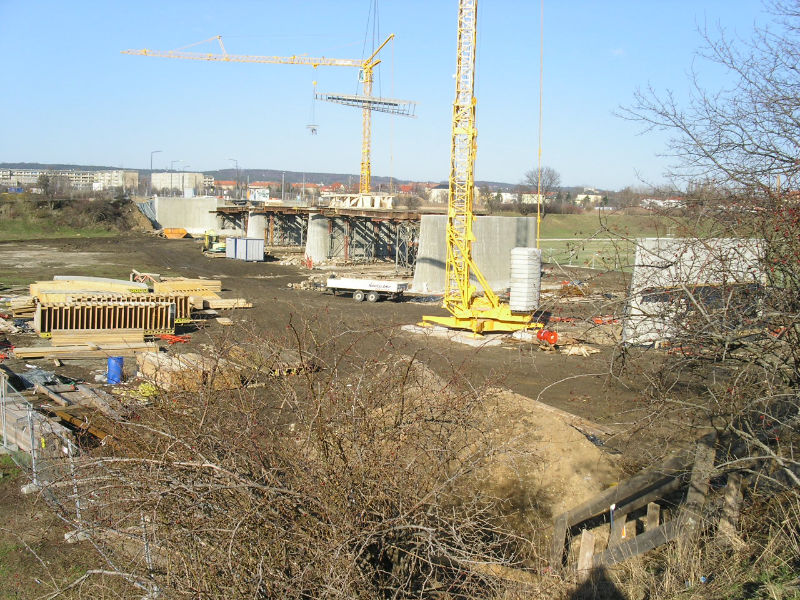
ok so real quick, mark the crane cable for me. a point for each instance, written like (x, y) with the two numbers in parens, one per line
(539, 157)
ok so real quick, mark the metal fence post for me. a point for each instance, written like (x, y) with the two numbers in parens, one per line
(33, 445)
(3, 408)
(70, 454)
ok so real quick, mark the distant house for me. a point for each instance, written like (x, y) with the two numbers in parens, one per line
(591, 199)
(662, 203)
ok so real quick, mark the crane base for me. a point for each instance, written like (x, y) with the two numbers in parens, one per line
(483, 323)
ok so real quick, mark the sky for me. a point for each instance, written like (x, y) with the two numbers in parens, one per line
(70, 96)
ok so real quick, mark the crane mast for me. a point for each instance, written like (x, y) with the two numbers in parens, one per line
(468, 311)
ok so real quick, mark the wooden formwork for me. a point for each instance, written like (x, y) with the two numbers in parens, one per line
(182, 306)
(151, 317)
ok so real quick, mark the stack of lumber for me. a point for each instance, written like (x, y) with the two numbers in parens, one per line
(189, 371)
(97, 303)
(18, 432)
(76, 283)
(72, 337)
(22, 307)
(203, 293)
(84, 396)
(212, 285)
(7, 326)
(87, 350)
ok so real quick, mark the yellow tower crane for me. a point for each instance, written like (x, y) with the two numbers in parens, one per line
(477, 313)
(366, 101)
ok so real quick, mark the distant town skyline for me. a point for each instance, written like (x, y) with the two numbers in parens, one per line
(77, 100)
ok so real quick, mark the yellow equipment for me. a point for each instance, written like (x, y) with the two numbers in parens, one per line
(486, 313)
(367, 102)
(211, 242)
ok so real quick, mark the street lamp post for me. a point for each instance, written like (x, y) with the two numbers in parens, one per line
(150, 191)
(171, 171)
(283, 194)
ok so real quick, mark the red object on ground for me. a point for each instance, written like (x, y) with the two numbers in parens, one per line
(606, 320)
(174, 339)
(551, 337)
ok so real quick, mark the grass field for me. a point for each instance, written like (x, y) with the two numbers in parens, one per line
(18, 229)
(598, 241)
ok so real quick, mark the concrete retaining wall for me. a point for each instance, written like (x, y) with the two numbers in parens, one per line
(495, 237)
(195, 215)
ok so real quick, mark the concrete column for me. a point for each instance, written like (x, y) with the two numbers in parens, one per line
(256, 225)
(318, 241)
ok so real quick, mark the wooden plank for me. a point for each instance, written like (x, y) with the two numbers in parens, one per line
(84, 351)
(647, 481)
(639, 544)
(691, 512)
(558, 542)
(586, 555)
(653, 517)
(72, 337)
(618, 530)
(731, 505)
(222, 303)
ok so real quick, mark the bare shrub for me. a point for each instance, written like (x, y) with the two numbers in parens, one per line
(358, 476)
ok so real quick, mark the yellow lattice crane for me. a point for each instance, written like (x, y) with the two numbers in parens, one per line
(366, 101)
(477, 313)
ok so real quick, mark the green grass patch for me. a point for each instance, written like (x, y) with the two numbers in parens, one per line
(36, 229)
(603, 225)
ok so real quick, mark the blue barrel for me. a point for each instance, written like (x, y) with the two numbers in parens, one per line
(114, 374)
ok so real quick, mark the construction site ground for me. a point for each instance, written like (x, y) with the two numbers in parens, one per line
(283, 291)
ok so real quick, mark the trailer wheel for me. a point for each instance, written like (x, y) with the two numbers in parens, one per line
(358, 296)
(372, 296)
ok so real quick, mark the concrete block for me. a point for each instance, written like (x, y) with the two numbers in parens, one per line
(30, 488)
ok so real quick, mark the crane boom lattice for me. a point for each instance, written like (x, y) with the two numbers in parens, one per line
(366, 102)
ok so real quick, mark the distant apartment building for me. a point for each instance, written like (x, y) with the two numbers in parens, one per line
(77, 180)
(168, 181)
(109, 180)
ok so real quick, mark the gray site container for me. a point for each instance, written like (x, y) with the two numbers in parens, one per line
(250, 249)
(230, 247)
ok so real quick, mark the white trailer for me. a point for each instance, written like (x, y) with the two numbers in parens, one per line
(370, 290)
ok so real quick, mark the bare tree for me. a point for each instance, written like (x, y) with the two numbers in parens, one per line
(550, 181)
(732, 326)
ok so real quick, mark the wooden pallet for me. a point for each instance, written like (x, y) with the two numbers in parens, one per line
(644, 491)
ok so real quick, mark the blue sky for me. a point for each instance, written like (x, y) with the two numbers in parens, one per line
(69, 96)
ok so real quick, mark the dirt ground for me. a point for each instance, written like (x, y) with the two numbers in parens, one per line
(522, 368)
(578, 384)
